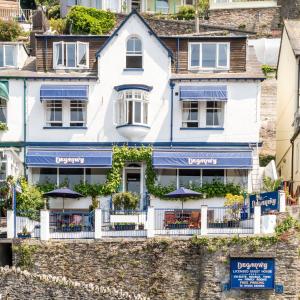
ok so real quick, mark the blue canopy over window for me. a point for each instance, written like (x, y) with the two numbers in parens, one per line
(64, 92)
(69, 159)
(204, 93)
(203, 160)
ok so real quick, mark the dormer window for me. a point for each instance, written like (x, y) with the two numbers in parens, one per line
(70, 55)
(134, 56)
(8, 56)
(209, 56)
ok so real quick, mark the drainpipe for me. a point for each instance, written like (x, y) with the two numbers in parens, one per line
(177, 60)
(171, 119)
(46, 50)
(25, 124)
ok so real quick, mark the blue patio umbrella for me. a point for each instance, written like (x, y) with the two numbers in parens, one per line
(183, 193)
(63, 193)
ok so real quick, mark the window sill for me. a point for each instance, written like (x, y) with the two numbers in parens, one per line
(201, 128)
(69, 127)
(133, 70)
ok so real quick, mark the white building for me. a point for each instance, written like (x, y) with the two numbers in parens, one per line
(194, 98)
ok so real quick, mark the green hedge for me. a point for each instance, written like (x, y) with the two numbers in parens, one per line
(83, 20)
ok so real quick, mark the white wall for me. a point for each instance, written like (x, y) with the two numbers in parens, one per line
(191, 204)
(81, 203)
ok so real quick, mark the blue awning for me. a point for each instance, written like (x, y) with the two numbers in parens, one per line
(204, 93)
(203, 160)
(64, 92)
(124, 87)
(69, 159)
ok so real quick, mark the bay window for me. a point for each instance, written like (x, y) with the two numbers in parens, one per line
(131, 107)
(8, 56)
(209, 56)
(208, 176)
(134, 56)
(70, 55)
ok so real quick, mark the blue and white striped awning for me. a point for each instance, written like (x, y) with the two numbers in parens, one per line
(204, 93)
(64, 92)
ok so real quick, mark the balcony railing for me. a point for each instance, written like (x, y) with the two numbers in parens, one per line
(20, 15)
(225, 4)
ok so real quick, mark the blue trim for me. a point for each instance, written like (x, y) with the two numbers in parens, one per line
(202, 128)
(134, 12)
(143, 87)
(133, 70)
(69, 127)
(133, 125)
(203, 93)
(138, 144)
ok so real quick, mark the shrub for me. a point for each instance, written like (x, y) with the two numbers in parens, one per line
(270, 185)
(265, 159)
(85, 20)
(54, 12)
(268, 69)
(59, 25)
(186, 13)
(125, 201)
(9, 31)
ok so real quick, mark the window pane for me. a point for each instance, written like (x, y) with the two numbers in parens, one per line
(209, 176)
(82, 54)
(130, 112)
(54, 113)
(3, 111)
(195, 55)
(210, 117)
(44, 175)
(58, 54)
(166, 177)
(71, 55)
(189, 177)
(78, 113)
(96, 176)
(209, 55)
(138, 112)
(133, 62)
(145, 113)
(70, 177)
(239, 177)
(222, 55)
(130, 46)
(10, 55)
(1, 56)
(138, 46)
(3, 168)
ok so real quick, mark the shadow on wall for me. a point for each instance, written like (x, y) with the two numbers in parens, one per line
(5, 254)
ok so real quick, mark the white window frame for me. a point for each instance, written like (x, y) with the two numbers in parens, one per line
(227, 67)
(222, 109)
(122, 103)
(83, 105)
(64, 47)
(139, 54)
(15, 55)
(190, 121)
(47, 108)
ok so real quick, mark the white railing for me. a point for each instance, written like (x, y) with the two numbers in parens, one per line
(225, 4)
(20, 15)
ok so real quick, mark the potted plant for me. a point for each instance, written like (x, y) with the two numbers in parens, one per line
(124, 226)
(125, 201)
(234, 205)
(25, 234)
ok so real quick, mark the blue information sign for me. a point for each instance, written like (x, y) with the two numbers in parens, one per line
(252, 273)
(267, 201)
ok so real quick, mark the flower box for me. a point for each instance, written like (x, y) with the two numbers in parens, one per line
(178, 226)
(122, 227)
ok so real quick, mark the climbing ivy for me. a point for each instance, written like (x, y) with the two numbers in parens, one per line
(24, 254)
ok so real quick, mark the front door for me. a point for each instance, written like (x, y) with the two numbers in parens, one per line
(133, 181)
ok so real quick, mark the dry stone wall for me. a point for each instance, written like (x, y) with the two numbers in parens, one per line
(168, 269)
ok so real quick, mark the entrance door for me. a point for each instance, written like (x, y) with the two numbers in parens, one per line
(133, 181)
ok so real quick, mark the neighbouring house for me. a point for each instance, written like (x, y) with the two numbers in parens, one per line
(195, 98)
(11, 10)
(126, 6)
(288, 117)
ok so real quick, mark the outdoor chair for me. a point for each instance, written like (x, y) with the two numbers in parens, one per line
(194, 221)
(170, 218)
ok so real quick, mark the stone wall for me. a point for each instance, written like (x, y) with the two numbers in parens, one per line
(169, 269)
(290, 9)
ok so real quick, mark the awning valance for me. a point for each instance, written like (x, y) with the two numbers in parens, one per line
(64, 92)
(203, 159)
(204, 93)
(4, 91)
(69, 159)
(124, 87)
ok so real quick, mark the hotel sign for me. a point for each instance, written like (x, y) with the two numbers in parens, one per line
(252, 273)
(268, 201)
(69, 160)
(202, 161)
